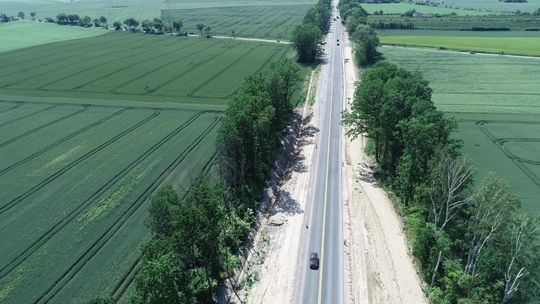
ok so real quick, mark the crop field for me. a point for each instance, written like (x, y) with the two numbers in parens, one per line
(276, 22)
(137, 67)
(89, 129)
(519, 43)
(16, 35)
(495, 5)
(495, 101)
(400, 8)
(510, 22)
(123, 9)
(75, 180)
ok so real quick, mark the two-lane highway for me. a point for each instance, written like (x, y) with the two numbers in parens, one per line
(325, 233)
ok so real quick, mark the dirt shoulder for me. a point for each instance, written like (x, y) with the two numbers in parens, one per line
(379, 267)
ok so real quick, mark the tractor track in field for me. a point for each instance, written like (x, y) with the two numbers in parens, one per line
(118, 48)
(47, 51)
(175, 61)
(123, 69)
(104, 238)
(261, 68)
(133, 53)
(4, 271)
(126, 280)
(220, 72)
(74, 163)
(518, 161)
(12, 107)
(191, 69)
(60, 141)
(27, 115)
(43, 126)
(78, 51)
(129, 276)
(107, 106)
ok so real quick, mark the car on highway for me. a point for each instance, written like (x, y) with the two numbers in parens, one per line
(314, 260)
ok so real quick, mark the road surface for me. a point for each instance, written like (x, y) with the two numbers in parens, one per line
(325, 233)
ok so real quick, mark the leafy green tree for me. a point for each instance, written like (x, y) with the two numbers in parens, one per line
(306, 39)
(366, 45)
(85, 21)
(96, 22)
(157, 281)
(117, 25)
(103, 21)
(21, 15)
(177, 26)
(33, 15)
(131, 24)
(146, 25)
(207, 30)
(158, 26)
(200, 28)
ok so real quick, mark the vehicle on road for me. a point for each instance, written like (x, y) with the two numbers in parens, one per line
(314, 261)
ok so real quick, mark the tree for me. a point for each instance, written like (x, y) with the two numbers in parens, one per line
(200, 28)
(157, 281)
(207, 31)
(117, 26)
(158, 26)
(536, 12)
(85, 21)
(147, 25)
(61, 19)
(33, 15)
(177, 26)
(233, 33)
(103, 21)
(131, 24)
(306, 40)
(367, 43)
(96, 22)
(21, 15)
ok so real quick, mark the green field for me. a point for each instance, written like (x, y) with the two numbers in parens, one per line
(400, 8)
(495, 101)
(519, 43)
(122, 9)
(136, 67)
(16, 35)
(510, 22)
(275, 22)
(495, 5)
(89, 129)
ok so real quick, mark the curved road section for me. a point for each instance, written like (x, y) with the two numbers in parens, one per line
(325, 236)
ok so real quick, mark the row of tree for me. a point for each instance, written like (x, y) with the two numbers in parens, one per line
(196, 239)
(21, 15)
(307, 37)
(364, 37)
(471, 242)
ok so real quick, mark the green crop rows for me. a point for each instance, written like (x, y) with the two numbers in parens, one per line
(89, 129)
(512, 22)
(518, 43)
(495, 101)
(136, 67)
(275, 22)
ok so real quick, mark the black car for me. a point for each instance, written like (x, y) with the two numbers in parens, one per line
(313, 260)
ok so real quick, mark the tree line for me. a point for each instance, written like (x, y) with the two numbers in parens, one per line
(307, 36)
(362, 35)
(196, 238)
(472, 243)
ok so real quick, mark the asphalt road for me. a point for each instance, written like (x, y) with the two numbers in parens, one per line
(325, 233)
